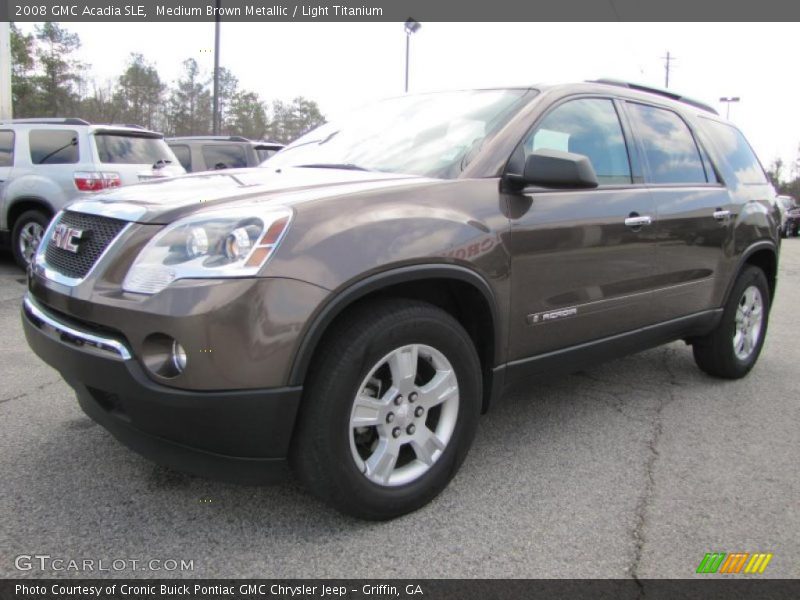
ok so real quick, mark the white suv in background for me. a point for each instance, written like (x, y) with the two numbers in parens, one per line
(47, 163)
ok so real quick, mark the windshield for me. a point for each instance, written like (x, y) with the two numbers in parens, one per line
(432, 135)
(131, 149)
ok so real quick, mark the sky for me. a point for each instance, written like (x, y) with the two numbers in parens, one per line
(344, 65)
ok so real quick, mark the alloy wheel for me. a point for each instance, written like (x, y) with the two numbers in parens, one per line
(30, 236)
(747, 328)
(404, 415)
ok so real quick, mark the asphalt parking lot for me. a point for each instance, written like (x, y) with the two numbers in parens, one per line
(634, 468)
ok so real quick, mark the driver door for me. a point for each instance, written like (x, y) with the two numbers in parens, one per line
(581, 261)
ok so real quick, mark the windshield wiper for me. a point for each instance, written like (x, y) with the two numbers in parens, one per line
(344, 166)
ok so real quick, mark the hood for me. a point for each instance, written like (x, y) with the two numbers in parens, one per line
(163, 201)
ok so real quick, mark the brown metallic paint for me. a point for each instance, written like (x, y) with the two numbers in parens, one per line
(538, 249)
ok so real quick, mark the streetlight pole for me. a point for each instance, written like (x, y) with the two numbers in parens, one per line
(728, 100)
(411, 26)
(215, 108)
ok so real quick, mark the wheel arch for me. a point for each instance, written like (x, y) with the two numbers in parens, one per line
(24, 204)
(462, 292)
(764, 255)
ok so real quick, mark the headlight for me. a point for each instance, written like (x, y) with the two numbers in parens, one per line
(215, 243)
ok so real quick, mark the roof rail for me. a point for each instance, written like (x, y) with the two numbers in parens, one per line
(655, 90)
(48, 121)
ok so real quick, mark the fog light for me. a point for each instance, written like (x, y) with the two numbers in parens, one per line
(163, 355)
(179, 358)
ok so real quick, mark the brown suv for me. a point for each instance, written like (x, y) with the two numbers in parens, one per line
(352, 307)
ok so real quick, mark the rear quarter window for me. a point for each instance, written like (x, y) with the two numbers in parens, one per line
(53, 146)
(224, 156)
(6, 148)
(736, 151)
(130, 149)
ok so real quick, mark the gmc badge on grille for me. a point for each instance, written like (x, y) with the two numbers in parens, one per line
(67, 238)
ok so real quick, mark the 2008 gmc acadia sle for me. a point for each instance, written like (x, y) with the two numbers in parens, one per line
(352, 306)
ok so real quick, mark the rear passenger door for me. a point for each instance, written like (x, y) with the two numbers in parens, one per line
(694, 211)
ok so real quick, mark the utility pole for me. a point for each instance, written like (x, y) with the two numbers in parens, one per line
(667, 59)
(5, 70)
(216, 70)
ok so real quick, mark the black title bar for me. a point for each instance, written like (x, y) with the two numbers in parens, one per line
(142, 11)
(708, 588)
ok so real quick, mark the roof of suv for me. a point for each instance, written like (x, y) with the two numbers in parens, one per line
(73, 122)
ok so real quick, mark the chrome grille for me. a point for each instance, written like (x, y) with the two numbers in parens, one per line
(99, 232)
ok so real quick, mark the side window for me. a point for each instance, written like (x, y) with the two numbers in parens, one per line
(588, 126)
(183, 154)
(224, 156)
(53, 146)
(668, 144)
(6, 148)
(737, 152)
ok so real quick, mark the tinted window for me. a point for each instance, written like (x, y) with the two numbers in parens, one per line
(590, 127)
(130, 149)
(224, 156)
(6, 148)
(737, 152)
(53, 146)
(668, 144)
(183, 154)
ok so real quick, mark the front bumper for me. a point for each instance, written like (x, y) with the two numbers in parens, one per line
(240, 436)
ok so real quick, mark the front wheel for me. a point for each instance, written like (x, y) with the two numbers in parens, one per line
(731, 350)
(390, 410)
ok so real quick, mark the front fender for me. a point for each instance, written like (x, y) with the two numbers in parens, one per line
(340, 240)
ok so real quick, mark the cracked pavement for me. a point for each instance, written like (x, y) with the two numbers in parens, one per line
(635, 468)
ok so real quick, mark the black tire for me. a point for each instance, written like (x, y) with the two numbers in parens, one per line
(715, 353)
(31, 217)
(321, 452)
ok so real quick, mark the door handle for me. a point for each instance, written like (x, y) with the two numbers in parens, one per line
(721, 215)
(638, 221)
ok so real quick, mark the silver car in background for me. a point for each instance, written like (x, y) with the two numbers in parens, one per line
(47, 163)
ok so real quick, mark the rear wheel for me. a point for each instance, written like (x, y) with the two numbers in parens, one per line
(390, 410)
(731, 350)
(27, 234)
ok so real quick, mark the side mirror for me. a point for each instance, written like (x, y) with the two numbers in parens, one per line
(557, 169)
